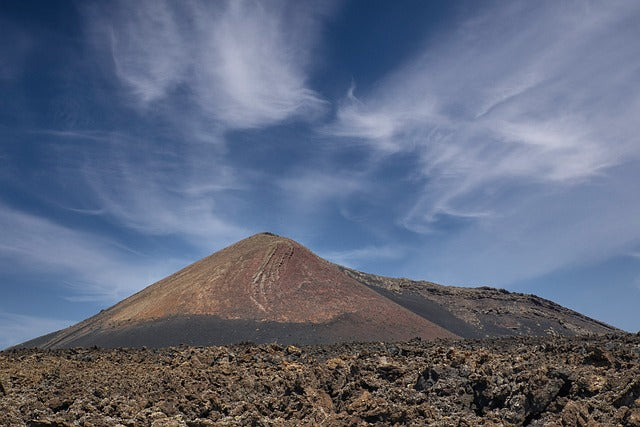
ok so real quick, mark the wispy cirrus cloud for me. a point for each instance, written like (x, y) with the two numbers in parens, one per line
(520, 105)
(97, 269)
(550, 101)
(193, 71)
(242, 64)
(150, 185)
(308, 189)
(541, 232)
(353, 257)
(18, 328)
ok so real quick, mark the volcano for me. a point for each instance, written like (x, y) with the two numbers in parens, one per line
(269, 288)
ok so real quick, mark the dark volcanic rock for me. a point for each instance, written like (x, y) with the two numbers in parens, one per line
(507, 381)
(482, 312)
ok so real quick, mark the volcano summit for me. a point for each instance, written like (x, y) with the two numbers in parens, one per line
(269, 288)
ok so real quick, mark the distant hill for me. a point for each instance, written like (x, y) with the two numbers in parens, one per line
(268, 288)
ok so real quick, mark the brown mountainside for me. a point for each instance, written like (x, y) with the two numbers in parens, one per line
(269, 288)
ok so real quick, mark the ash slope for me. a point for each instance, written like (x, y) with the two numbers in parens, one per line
(268, 288)
(483, 312)
(264, 288)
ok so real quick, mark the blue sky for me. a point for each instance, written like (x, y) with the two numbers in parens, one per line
(467, 143)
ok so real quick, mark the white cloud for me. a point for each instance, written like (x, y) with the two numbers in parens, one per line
(354, 257)
(148, 49)
(515, 114)
(540, 232)
(526, 94)
(176, 190)
(153, 186)
(312, 188)
(244, 62)
(255, 72)
(96, 268)
(18, 328)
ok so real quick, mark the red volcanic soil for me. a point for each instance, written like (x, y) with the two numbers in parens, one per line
(265, 278)
(263, 283)
(269, 288)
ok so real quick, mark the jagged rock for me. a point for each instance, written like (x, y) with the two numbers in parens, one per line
(426, 379)
(293, 350)
(175, 421)
(47, 423)
(508, 381)
(630, 394)
(633, 417)
(575, 414)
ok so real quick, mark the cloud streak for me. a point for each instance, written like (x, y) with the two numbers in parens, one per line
(353, 257)
(308, 190)
(97, 269)
(151, 185)
(501, 101)
(18, 328)
(523, 103)
(179, 191)
(242, 63)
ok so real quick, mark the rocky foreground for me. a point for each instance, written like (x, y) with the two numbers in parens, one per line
(507, 381)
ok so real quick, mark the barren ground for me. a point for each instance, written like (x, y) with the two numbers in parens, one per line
(519, 381)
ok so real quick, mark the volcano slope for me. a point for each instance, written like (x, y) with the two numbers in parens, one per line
(268, 288)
